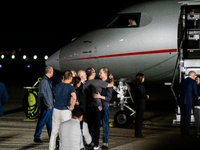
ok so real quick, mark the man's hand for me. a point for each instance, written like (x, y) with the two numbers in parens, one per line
(96, 95)
(50, 108)
(111, 77)
(77, 103)
(70, 108)
(199, 98)
(147, 96)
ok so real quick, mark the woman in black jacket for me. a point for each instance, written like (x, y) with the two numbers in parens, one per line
(140, 101)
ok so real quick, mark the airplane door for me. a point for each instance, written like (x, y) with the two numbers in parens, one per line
(189, 31)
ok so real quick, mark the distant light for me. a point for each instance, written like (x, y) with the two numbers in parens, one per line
(24, 57)
(167, 83)
(13, 56)
(2, 56)
(0, 66)
(46, 57)
(20, 49)
(35, 57)
(28, 66)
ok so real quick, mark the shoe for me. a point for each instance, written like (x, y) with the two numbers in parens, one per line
(37, 140)
(104, 147)
(96, 147)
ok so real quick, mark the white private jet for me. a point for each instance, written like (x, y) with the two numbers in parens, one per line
(159, 38)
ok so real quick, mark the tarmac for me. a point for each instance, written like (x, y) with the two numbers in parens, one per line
(158, 130)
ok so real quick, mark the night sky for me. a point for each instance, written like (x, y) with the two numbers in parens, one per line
(43, 28)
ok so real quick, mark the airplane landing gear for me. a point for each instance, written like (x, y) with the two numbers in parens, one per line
(123, 117)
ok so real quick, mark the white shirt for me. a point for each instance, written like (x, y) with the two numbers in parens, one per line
(71, 136)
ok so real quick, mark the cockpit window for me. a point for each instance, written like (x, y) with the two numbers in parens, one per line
(125, 21)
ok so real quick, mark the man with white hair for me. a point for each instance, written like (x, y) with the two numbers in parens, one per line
(188, 92)
(81, 97)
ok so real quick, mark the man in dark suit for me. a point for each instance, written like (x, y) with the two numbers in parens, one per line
(81, 97)
(188, 92)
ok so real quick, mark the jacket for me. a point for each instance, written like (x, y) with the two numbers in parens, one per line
(45, 95)
(140, 96)
(188, 91)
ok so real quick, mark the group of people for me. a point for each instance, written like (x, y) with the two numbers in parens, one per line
(74, 108)
(189, 93)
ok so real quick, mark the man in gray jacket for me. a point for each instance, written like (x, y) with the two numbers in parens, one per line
(71, 132)
(45, 104)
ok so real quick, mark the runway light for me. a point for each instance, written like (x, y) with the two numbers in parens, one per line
(28, 66)
(45, 57)
(24, 57)
(13, 56)
(167, 83)
(0, 66)
(2, 56)
(20, 49)
(35, 57)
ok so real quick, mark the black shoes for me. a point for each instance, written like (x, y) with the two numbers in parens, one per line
(104, 147)
(37, 140)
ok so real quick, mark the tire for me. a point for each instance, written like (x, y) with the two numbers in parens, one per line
(123, 119)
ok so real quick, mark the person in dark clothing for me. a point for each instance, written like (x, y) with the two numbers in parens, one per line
(94, 105)
(3, 97)
(81, 97)
(140, 100)
(45, 104)
(197, 109)
(76, 83)
(105, 96)
(188, 92)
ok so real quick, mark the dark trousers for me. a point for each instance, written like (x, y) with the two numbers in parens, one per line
(138, 122)
(185, 119)
(45, 118)
(94, 118)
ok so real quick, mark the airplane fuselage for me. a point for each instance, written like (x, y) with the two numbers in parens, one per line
(150, 47)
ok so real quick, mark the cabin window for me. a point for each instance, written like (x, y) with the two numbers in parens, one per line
(125, 21)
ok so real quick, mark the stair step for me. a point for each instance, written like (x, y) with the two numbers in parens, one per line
(192, 63)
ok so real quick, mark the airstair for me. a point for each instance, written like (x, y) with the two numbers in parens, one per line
(189, 48)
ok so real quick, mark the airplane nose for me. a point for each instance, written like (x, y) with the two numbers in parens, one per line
(53, 61)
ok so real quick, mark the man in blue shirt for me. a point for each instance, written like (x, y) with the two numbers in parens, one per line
(65, 99)
(3, 97)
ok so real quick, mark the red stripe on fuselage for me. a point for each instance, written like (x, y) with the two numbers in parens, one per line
(127, 54)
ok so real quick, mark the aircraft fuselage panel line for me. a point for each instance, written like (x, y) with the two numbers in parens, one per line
(127, 54)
